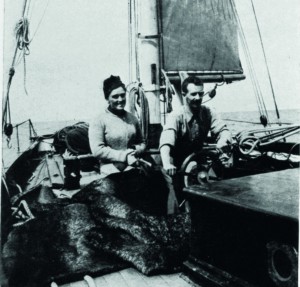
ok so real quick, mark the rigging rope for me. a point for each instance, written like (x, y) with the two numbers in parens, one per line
(168, 82)
(259, 98)
(265, 58)
(38, 26)
(255, 123)
(6, 119)
(22, 43)
(136, 18)
(167, 96)
(250, 64)
(22, 37)
(130, 38)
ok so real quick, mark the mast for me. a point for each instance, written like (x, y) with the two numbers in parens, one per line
(145, 52)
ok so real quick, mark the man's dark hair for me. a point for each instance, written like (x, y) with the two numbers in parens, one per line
(111, 83)
(190, 80)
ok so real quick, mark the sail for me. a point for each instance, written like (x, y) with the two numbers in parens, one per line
(200, 36)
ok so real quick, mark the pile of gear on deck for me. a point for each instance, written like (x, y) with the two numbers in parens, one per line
(91, 233)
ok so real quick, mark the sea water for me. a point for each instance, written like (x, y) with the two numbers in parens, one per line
(236, 122)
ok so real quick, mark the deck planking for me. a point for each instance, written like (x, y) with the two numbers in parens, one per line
(130, 277)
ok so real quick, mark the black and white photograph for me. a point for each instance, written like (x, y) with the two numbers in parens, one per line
(150, 143)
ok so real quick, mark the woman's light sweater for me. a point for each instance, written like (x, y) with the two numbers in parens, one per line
(113, 137)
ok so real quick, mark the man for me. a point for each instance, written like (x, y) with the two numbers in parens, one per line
(186, 131)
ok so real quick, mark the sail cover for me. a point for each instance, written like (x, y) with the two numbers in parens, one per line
(199, 35)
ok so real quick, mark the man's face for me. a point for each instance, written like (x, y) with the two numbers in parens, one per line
(117, 99)
(194, 96)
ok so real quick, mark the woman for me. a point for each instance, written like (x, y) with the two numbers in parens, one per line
(115, 136)
(116, 140)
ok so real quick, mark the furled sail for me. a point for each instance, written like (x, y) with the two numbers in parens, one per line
(201, 37)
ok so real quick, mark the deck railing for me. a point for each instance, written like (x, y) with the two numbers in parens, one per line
(15, 144)
(31, 131)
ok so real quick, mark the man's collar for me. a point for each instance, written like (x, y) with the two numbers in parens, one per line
(188, 112)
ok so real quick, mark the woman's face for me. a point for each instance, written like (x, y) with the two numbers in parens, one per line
(117, 99)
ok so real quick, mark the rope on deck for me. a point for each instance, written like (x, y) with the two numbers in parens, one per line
(90, 281)
(250, 140)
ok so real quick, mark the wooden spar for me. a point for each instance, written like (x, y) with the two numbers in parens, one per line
(145, 62)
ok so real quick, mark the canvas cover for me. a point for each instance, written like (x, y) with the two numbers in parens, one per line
(199, 35)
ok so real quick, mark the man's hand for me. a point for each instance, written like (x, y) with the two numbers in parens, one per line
(224, 144)
(170, 169)
(167, 160)
(226, 160)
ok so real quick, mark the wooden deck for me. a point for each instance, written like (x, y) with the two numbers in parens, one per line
(132, 278)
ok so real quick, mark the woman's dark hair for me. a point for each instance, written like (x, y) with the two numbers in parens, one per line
(190, 80)
(111, 83)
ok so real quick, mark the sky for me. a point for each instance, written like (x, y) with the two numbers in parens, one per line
(79, 43)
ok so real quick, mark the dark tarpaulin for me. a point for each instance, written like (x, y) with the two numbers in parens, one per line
(105, 227)
(199, 35)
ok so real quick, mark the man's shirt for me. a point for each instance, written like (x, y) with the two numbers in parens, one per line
(186, 132)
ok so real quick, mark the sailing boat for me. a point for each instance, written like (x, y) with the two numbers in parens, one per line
(159, 52)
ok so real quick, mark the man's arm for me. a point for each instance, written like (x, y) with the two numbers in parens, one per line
(167, 141)
(220, 130)
(224, 139)
(167, 160)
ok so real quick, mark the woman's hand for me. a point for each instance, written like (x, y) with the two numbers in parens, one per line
(139, 149)
(131, 159)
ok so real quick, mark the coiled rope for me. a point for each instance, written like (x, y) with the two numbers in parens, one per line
(250, 140)
(21, 34)
(22, 39)
(137, 97)
(168, 96)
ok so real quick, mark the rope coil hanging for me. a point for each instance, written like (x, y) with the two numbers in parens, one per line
(168, 95)
(22, 44)
(22, 35)
(137, 97)
(21, 31)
